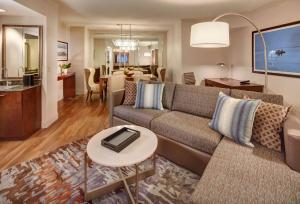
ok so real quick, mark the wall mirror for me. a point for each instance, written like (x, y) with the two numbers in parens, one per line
(21, 51)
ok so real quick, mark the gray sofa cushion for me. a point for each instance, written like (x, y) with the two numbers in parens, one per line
(187, 129)
(168, 95)
(238, 174)
(141, 117)
(196, 100)
(270, 98)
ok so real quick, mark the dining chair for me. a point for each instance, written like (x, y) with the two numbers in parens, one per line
(116, 83)
(189, 78)
(91, 86)
(97, 74)
(161, 72)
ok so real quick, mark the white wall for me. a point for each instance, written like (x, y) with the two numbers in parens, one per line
(48, 9)
(240, 55)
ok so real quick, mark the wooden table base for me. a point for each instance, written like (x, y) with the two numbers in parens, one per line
(122, 182)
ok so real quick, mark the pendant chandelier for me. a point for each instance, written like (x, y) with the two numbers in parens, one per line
(126, 43)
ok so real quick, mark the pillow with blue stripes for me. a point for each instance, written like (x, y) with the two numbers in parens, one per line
(149, 96)
(234, 118)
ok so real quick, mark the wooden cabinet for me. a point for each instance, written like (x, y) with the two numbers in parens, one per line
(20, 113)
(69, 84)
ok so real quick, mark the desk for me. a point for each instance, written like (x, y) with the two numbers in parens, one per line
(68, 84)
(233, 84)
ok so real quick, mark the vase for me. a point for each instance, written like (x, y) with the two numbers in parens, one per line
(65, 71)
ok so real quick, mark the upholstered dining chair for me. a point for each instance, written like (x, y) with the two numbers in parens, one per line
(91, 86)
(116, 82)
(161, 72)
(189, 78)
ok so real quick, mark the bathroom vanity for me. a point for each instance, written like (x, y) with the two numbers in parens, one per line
(20, 111)
(22, 56)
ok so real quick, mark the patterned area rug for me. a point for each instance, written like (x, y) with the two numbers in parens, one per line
(57, 177)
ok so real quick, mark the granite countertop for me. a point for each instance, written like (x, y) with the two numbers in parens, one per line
(14, 88)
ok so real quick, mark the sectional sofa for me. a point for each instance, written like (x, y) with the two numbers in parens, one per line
(230, 173)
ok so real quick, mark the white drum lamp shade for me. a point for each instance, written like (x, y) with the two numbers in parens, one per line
(210, 35)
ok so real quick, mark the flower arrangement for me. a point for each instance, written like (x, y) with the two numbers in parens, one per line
(64, 68)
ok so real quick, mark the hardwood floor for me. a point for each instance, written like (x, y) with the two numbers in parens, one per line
(77, 119)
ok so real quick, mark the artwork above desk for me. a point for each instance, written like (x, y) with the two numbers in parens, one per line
(68, 84)
(233, 84)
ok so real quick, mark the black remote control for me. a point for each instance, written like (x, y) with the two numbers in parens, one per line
(245, 82)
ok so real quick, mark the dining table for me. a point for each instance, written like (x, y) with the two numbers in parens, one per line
(103, 81)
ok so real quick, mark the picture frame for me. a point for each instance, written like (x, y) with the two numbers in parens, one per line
(62, 51)
(283, 50)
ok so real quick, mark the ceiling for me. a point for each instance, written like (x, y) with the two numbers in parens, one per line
(15, 9)
(149, 12)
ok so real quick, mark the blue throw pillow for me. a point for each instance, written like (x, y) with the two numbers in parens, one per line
(234, 118)
(149, 96)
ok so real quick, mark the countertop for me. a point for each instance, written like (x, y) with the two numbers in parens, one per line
(14, 88)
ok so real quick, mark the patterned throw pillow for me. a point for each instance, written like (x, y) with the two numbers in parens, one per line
(149, 96)
(130, 93)
(234, 118)
(268, 125)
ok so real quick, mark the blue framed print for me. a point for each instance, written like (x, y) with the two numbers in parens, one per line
(283, 50)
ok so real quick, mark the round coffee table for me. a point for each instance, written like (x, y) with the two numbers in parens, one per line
(138, 151)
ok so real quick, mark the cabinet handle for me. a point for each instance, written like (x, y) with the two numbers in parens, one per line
(2, 95)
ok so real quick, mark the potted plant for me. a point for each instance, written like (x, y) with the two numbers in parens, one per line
(64, 68)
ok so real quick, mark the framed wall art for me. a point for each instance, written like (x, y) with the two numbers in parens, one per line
(283, 50)
(62, 51)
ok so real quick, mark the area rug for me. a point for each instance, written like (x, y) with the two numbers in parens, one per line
(57, 177)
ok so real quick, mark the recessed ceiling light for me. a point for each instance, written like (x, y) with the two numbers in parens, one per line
(2, 10)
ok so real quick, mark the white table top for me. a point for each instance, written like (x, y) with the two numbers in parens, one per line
(138, 151)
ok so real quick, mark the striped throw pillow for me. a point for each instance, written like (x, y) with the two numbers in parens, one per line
(149, 96)
(234, 118)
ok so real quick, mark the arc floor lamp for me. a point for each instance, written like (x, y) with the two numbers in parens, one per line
(215, 34)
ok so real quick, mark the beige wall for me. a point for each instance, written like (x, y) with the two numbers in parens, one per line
(240, 54)
(99, 52)
(63, 34)
(77, 56)
(174, 50)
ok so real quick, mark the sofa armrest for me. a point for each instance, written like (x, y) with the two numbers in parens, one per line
(115, 99)
(292, 143)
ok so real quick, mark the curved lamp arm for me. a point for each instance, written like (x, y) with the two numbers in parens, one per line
(262, 38)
